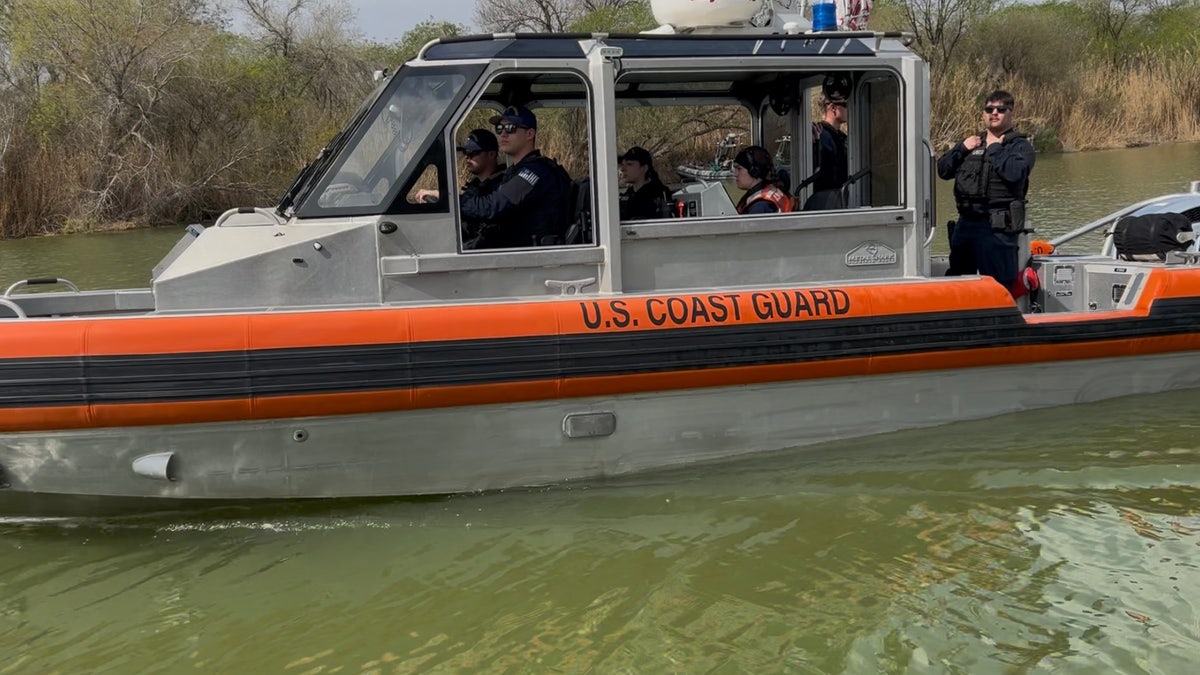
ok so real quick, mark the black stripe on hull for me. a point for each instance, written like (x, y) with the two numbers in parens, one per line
(301, 371)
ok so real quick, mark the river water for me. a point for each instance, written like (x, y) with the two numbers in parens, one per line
(1062, 540)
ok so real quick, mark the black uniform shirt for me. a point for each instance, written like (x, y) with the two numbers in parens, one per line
(644, 203)
(531, 203)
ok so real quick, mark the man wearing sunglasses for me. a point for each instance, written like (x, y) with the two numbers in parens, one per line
(481, 153)
(991, 178)
(481, 159)
(531, 206)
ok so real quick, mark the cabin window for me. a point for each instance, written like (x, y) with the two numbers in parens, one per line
(692, 149)
(872, 127)
(880, 94)
(695, 123)
(559, 100)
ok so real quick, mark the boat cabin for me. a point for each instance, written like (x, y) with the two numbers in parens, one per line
(352, 231)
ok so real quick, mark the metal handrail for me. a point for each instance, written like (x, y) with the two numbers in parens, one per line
(5, 302)
(40, 281)
(250, 210)
(1113, 217)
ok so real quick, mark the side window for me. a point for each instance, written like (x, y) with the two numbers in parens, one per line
(418, 194)
(757, 142)
(522, 161)
(882, 148)
(855, 160)
(427, 181)
(677, 160)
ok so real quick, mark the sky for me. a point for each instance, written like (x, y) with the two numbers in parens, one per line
(387, 20)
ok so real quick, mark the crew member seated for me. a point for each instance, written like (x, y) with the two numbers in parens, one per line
(481, 158)
(531, 206)
(754, 172)
(647, 196)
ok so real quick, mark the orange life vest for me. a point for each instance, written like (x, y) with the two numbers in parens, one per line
(770, 193)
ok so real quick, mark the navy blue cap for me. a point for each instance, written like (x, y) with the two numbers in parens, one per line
(637, 154)
(479, 140)
(518, 115)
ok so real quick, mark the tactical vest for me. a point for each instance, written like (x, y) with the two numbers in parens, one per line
(979, 190)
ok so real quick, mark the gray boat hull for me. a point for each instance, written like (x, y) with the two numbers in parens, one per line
(490, 447)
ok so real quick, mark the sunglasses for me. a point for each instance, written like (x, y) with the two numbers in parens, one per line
(507, 128)
(996, 108)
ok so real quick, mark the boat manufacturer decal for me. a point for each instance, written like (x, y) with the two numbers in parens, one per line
(871, 253)
(714, 309)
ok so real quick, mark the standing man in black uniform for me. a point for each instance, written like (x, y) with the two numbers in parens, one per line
(531, 206)
(831, 156)
(991, 178)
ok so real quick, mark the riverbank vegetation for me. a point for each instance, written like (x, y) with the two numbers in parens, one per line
(166, 111)
(1087, 74)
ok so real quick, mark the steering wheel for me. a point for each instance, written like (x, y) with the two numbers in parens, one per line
(344, 186)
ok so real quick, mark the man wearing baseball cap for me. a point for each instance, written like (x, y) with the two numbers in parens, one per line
(830, 155)
(481, 158)
(481, 153)
(531, 205)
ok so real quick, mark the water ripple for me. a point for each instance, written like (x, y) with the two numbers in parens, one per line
(1036, 542)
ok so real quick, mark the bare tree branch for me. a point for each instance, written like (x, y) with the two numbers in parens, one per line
(539, 16)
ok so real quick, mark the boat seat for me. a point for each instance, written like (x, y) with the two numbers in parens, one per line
(580, 229)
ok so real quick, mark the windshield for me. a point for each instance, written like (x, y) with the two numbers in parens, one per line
(300, 187)
(368, 171)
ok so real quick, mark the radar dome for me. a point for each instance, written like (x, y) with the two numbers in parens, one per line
(695, 13)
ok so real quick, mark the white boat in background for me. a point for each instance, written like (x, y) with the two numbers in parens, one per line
(721, 166)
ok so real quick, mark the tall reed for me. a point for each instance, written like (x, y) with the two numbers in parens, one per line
(1152, 99)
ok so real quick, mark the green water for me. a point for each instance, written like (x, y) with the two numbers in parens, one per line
(1050, 541)
(1062, 541)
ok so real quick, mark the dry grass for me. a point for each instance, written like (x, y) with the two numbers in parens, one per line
(1154, 100)
(1149, 102)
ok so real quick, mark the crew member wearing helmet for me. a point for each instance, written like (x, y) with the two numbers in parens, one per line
(531, 206)
(754, 172)
(646, 197)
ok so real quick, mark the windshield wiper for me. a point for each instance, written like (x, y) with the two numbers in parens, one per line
(298, 191)
(289, 197)
(307, 180)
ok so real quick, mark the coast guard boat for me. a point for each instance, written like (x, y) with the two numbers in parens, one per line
(346, 343)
